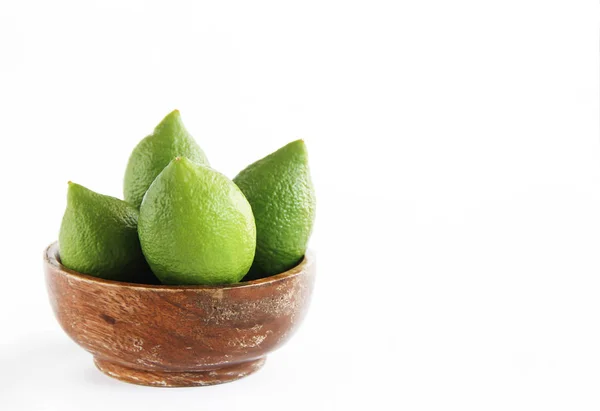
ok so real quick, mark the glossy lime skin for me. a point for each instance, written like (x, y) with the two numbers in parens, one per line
(280, 191)
(98, 236)
(169, 140)
(196, 226)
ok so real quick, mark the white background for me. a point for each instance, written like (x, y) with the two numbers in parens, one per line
(456, 155)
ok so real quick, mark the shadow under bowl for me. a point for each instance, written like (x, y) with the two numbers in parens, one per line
(178, 336)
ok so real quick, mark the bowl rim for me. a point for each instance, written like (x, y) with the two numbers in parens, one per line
(51, 258)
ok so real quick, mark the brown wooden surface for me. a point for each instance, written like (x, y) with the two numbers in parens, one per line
(178, 336)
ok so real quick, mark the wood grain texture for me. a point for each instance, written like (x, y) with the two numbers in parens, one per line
(178, 335)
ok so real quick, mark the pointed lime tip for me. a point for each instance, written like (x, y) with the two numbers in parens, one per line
(295, 146)
(76, 187)
(177, 158)
(173, 115)
(73, 190)
(71, 185)
(299, 142)
(170, 120)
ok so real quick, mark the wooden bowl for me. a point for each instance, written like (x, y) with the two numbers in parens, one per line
(178, 336)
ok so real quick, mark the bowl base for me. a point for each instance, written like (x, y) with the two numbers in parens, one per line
(178, 379)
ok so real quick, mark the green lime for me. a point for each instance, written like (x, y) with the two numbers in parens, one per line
(281, 194)
(196, 226)
(98, 236)
(169, 140)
